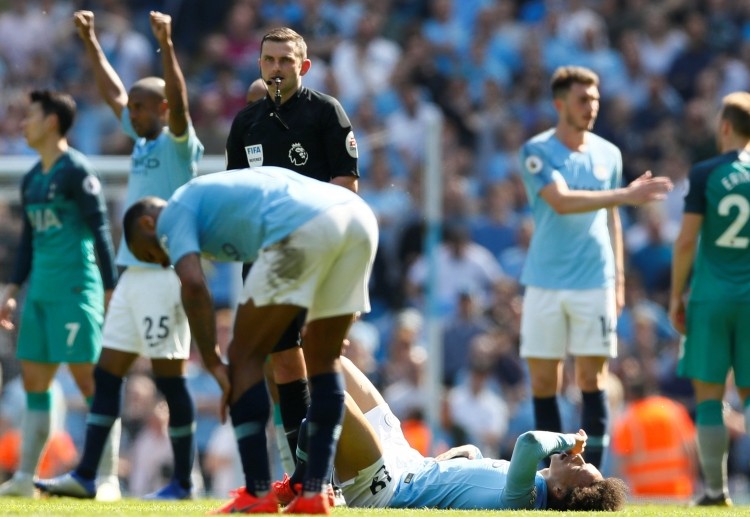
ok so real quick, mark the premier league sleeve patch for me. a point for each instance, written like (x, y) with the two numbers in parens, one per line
(351, 145)
(533, 164)
(91, 185)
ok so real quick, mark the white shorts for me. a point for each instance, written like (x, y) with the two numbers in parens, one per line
(576, 322)
(145, 315)
(374, 486)
(323, 266)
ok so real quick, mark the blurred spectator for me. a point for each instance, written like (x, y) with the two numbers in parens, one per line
(403, 347)
(222, 462)
(363, 344)
(462, 264)
(495, 226)
(459, 331)
(363, 64)
(474, 405)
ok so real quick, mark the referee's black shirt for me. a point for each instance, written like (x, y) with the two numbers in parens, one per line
(309, 134)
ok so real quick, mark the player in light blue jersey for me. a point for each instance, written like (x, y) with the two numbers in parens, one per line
(574, 268)
(312, 245)
(377, 468)
(145, 316)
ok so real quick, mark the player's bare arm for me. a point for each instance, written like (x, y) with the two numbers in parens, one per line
(198, 305)
(682, 263)
(615, 232)
(644, 189)
(174, 88)
(107, 81)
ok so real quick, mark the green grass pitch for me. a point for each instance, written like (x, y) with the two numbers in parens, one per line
(132, 507)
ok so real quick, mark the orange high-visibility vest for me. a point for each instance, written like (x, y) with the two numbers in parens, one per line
(58, 456)
(653, 441)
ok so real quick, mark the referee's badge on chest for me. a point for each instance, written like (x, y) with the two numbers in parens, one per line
(254, 155)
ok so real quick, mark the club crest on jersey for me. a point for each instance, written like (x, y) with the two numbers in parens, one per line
(601, 172)
(351, 145)
(297, 154)
(91, 185)
(533, 164)
(254, 155)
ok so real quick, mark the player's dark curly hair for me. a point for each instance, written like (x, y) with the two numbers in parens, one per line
(607, 495)
(56, 103)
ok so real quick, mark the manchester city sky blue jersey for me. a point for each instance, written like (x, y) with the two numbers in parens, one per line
(231, 215)
(484, 483)
(571, 251)
(157, 168)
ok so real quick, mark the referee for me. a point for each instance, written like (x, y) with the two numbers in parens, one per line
(308, 132)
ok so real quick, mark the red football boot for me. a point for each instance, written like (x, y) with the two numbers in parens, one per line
(315, 505)
(243, 502)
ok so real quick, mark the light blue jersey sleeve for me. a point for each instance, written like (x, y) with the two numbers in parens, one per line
(524, 486)
(158, 168)
(483, 483)
(569, 251)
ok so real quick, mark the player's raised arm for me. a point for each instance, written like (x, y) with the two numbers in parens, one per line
(174, 88)
(107, 81)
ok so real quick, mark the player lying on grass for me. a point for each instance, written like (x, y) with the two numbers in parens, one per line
(376, 467)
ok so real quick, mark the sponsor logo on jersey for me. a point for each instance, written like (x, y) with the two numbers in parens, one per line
(351, 145)
(42, 219)
(297, 154)
(533, 164)
(254, 155)
(91, 185)
(602, 173)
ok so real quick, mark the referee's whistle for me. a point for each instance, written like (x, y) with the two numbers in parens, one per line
(277, 96)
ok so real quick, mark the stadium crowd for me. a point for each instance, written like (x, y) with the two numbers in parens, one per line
(485, 66)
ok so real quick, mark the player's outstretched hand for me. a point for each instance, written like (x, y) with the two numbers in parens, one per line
(161, 25)
(580, 444)
(647, 188)
(84, 21)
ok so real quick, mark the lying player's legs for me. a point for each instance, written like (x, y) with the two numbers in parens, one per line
(372, 451)
(359, 446)
(359, 387)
